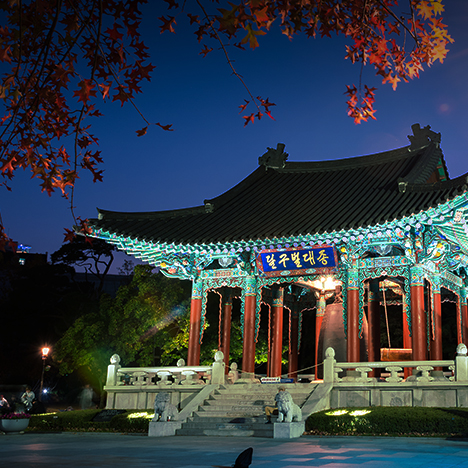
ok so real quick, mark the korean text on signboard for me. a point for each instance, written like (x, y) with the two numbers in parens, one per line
(296, 259)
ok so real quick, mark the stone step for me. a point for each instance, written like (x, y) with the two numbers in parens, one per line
(226, 429)
(238, 410)
(228, 414)
(247, 393)
(251, 400)
(297, 397)
(237, 420)
(237, 406)
(224, 422)
(264, 389)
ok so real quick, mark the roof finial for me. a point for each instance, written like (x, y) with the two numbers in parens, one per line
(274, 158)
(422, 137)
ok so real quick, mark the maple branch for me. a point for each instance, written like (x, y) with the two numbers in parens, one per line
(20, 40)
(45, 48)
(38, 88)
(112, 71)
(382, 4)
(80, 118)
(48, 40)
(239, 77)
(412, 17)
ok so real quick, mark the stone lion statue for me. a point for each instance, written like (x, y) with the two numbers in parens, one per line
(288, 411)
(163, 409)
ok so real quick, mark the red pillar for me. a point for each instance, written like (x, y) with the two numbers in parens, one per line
(353, 316)
(436, 341)
(226, 335)
(373, 324)
(320, 312)
(193, 358)
(407, 340)
(248, 355)
(294, 342)
(277, 332)
(418, 316)
(459, 322)
(464, 313)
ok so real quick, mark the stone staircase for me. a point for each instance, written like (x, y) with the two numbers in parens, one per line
(238, 410)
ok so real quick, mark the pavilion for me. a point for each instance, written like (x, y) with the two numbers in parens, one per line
(335, 234)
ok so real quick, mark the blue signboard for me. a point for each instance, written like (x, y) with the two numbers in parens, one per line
(296, 261)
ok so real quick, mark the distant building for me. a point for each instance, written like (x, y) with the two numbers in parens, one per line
(17, 254)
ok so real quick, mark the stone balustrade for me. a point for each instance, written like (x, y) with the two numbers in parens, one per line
(165, 376)
(136, 387)
(423, 371)
(345, 384)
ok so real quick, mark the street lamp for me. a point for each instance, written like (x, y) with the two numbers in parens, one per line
(45, 352)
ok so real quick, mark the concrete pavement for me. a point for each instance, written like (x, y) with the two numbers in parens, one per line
(89, 450)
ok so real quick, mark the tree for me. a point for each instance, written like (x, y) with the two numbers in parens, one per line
(144, 324)
(64, 57)
(95, 256)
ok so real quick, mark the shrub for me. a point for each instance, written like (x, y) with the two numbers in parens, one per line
(395, 421)
(82, 421)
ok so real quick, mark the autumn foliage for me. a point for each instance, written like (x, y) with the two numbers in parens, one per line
(396, 37)
(61, 58)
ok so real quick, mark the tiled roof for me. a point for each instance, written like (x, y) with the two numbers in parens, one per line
(301, 198)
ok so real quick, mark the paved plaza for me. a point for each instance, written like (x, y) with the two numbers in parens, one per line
(87, 450)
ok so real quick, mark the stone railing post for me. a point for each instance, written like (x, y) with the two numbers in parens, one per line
(329, 366)
(112, 369)
(461, 364)
(217, 372)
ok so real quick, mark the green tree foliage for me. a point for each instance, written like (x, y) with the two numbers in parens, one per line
(146, 324)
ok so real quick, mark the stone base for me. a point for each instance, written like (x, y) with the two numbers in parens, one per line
(247, 378)
(163, 429)
(288, 430)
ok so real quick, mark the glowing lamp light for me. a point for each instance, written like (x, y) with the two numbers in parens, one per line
(325, 283)
(141, 415)
(45, 351)
(359, 413)
(337, 413)
(354, 413)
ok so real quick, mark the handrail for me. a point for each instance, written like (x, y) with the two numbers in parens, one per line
(160, 376)
(171, 369)
(384, 364)
(459, 366)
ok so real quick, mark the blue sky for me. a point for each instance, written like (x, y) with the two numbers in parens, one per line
(210, 151)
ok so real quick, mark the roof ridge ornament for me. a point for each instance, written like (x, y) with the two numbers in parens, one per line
(422, 137)
(274, 158)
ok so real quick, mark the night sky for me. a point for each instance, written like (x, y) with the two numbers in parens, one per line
(210, 150)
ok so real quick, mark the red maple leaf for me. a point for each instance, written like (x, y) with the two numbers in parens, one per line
(205, 50)
(69, 235)
(261, 15)
(142, 131)
(167, 128)
(168, 24)
(86, 91)
(5, 55)
(193, 18)
(113, 33)
(105, 90)
(248, 119)
(171, 4)
(243, 106)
